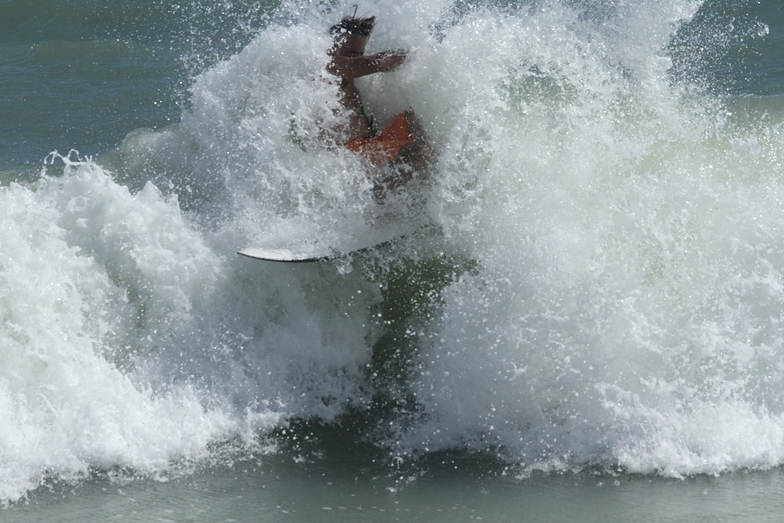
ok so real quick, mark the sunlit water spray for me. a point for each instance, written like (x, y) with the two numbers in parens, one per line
(604, 286)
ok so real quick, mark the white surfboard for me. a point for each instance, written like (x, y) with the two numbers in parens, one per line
(329, 248)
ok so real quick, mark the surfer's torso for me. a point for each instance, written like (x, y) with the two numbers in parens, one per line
(348, 63)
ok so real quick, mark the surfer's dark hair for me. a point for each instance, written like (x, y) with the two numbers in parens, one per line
(353, 26)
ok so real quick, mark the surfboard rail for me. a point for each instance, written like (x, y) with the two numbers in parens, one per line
(318, 251)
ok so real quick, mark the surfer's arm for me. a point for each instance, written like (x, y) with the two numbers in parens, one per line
(350, 67)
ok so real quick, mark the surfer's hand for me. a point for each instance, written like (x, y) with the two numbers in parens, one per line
(391, 60)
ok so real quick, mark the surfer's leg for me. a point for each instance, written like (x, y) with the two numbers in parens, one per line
(412, 157)
(417, 154)
(391, 177)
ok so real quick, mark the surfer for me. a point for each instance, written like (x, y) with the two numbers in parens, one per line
(401, 144)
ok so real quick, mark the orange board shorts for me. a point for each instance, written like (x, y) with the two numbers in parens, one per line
(386, 146)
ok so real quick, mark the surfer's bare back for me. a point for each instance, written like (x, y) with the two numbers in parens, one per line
(401, 143)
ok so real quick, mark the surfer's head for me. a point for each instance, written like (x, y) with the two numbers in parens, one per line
(352, 26)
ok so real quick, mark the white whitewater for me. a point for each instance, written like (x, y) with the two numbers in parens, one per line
(624, 228)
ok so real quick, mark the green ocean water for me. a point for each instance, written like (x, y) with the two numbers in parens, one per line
(592, 331)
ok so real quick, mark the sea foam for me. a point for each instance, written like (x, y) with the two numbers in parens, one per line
(615, 299)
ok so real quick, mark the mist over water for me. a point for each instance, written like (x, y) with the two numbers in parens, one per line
(603, 287)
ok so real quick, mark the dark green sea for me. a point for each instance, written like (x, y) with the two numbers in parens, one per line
(591, 328)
